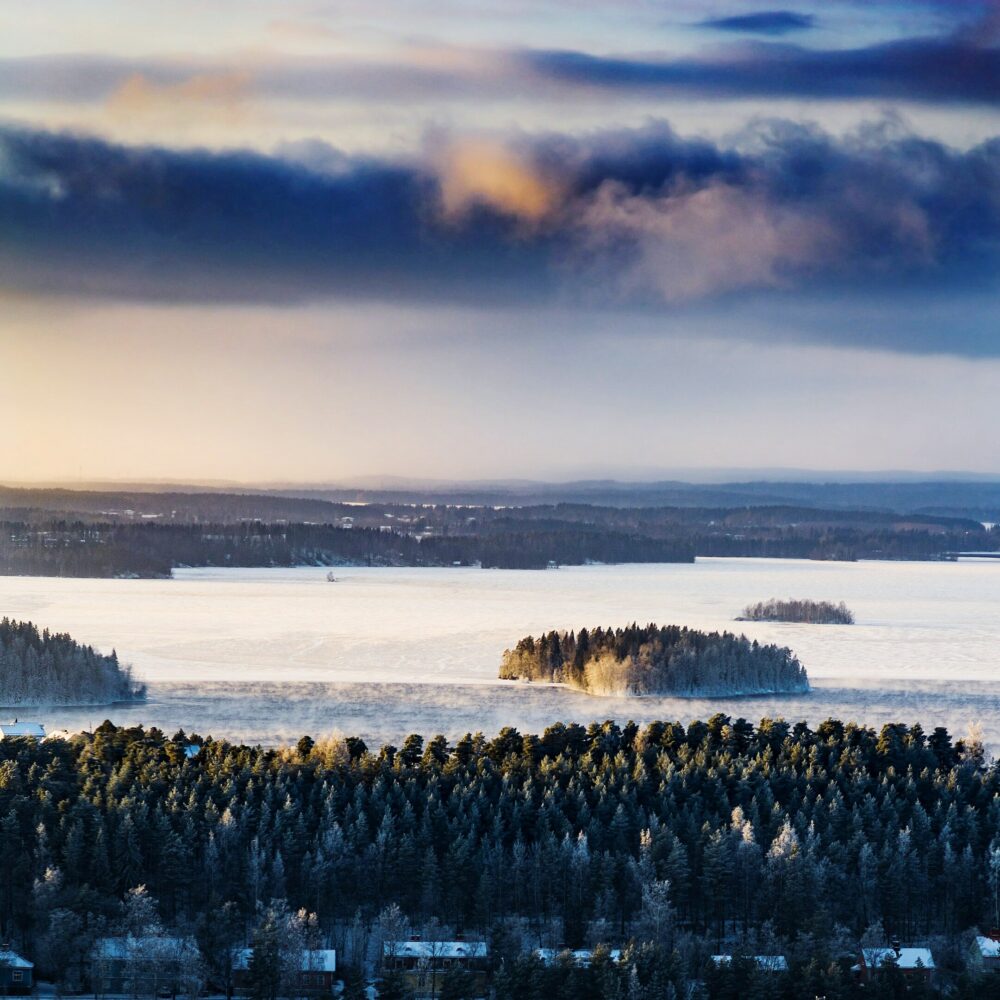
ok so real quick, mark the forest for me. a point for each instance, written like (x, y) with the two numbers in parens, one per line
(803, 611)
(648, 660)
(50, 668)
(671, 842)
(79, 533)
(154, 550)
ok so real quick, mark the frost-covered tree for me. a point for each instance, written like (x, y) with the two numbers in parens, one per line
(50, 668)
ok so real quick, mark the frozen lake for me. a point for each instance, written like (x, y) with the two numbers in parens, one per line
(265, 655)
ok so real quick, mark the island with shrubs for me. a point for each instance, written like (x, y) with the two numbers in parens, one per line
(39, 667)
(802, 611)
(656, 660)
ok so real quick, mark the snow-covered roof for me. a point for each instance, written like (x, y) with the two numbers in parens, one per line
(11, 960)
(988, 947)
(769, 963)
(907, 958)
(317, 960)
(34, 729)
(435, 949)
(582, 956)
(120, 948)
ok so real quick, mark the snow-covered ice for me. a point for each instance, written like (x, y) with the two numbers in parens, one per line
(268, 654)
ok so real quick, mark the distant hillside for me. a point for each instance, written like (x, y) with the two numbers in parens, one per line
(79, 533)
(50, 668)
(976, 497)
(654, 660)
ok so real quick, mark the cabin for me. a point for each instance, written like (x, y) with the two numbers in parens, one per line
(763, 963)
(985, 955)
(425, 964)
(316, 971)
(22, 730)
(582, 957)
(145, 966)
(914, 963)
(409, 955)
(16, 973)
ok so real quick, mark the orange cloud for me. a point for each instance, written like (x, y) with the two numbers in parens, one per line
(487, 173)
(140, 96)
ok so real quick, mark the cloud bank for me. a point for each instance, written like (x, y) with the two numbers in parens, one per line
(958, 65)
(640, 219)
(926, 70)
(763, 22)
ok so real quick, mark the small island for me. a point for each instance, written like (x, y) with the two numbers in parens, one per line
(803, 611)
(654, 660)
(39, 667)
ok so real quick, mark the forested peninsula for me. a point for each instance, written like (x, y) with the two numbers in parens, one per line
(655, 660)
(801, 611)
(39, 667)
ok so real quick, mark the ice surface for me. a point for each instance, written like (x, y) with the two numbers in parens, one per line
(268, 654)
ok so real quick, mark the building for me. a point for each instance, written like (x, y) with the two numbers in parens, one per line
(316, 971)
(31, 730)
(424, 964)
(579, 956)
(16, 973)
(986, 952)
(145, 966)
(912, 962)
(765, 963)
(411, 955)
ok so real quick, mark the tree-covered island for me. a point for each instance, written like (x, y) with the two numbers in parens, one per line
(39, 667)
(800, 611)
(656, 660)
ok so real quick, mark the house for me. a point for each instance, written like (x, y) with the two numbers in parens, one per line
(145, 966)
(765, 963)
(912, 962)
(16, 973)
(424, 964)
(986, 952)
(30, 730)
(443, 954)
(579, 956)
(316, 971)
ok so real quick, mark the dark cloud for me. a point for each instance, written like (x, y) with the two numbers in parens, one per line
(960, 65)
(85, 216)
(928, 70)
(631, 219)
(764, 22)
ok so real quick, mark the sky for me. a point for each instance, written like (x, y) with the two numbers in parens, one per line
(276, 240)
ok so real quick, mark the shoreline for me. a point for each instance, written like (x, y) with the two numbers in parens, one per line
(43, 705)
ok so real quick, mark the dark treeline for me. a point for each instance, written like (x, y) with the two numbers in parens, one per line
(60, 548)
(676, 842)
(147, 534)
(50, 668)
(153, 550)
(846, 544)
(792, 610)
(641, 660)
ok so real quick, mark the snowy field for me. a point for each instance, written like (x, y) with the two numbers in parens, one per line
(265, 655)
